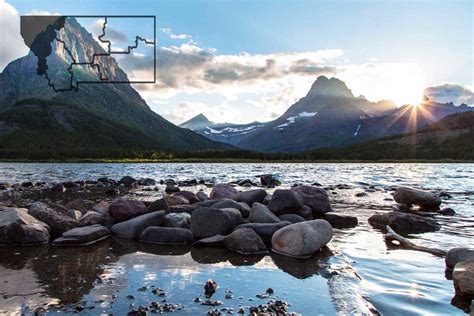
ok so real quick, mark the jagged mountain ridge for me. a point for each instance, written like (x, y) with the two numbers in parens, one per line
(115, 102)
(331, 116)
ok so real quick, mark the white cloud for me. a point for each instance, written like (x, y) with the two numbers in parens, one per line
(12, 46)
(171, 35)
(451, 92)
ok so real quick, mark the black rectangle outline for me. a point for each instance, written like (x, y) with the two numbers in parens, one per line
(125, 17)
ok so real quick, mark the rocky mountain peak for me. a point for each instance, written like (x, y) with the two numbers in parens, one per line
(329, 87)
(197, 122)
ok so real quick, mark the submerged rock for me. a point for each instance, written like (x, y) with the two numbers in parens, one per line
(463, 279)
(404, 223)
(285, 202)
(252, 196)
(409, 196)
(340, 220)
(17, 227)
(82, 236)
(245, 241)
(132, 228)
(57, 221)
(302, 239)
(124, 209)
(223, 190)
(456, 255)
(207, 222)
(447, 211)
(259, 213)
(314, 197)
(166, 235)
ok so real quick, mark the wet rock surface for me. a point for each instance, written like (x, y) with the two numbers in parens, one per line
(404, 223)
(134, 227)
(82, 236)
(410, 196)
(17, 227)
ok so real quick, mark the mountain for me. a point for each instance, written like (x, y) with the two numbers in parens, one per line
(449, 138)
(331, 116)
(220, 132)
(116, 104)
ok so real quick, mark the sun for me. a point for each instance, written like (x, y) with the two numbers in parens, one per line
(407, 85)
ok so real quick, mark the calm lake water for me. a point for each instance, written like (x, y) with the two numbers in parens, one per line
(357, 271)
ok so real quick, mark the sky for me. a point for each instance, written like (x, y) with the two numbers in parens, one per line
(241, 61)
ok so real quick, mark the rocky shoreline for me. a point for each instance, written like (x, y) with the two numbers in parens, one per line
(244, 217)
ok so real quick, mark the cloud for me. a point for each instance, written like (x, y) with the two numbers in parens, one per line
(171, 35)
(451, 92)
(111, 33)
(12, 46)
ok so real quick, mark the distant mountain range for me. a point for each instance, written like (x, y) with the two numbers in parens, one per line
(328, 116)
(123, 120)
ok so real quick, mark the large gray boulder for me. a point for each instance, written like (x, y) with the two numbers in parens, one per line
(57, 221)
(252, 196)
(125, 209)
(302, 240)
(285, 202)
(207, 222)
(456, 255)
(245, 241)
(223, 190)
(235, 215)
(404, 223)
(178, 220)
(259, 213)
(264, 230)
(409, 196)
(17, 227)
(132, 228)
(463, 279)
(228, 203)
(166, 235)
(316, 198)
(82, 236)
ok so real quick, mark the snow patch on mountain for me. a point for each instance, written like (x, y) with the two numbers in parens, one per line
(292, 119)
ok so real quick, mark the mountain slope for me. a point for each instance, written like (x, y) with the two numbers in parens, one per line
(450, 138)
(118, 103)
(330, 116)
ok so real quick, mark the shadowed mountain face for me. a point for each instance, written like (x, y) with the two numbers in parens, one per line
(116, 103)
(330, 116)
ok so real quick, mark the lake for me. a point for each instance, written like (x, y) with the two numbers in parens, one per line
(358, 273)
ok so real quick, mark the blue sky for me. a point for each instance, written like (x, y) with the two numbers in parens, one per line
(373, 43)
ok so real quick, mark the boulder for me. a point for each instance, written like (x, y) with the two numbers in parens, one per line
(190, 196)
(127, 181)
(447, 211)
(267, 199)
(58, 222)
(132, 228)
(223, 190)
(102, 207)
(463, 279)
(171, 188)
(172, 200)
(93, 218)
(340, 220)
(264, 230)
(183, 208)
(207, 222)
(158, 205)
(303, 239)
(285, 202)
(306, 212)
(82, 236)
(74, 214)
(202, 196)
(409, 196)
(234, 214)
(228, 203)
(456, 255)
(79, 204)
(252, 196)
(292, 218)
(166, 235)
(125, 209)
(215, 240)
(259, 213)
(147, 182)
(245, 241)
(404, 223)
(314, 197)
(179, 220)
(17, 227)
